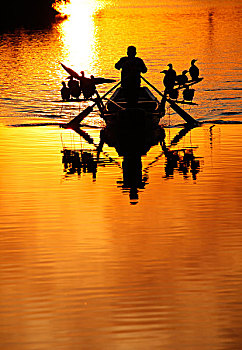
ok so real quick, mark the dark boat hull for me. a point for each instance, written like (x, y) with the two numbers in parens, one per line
(132, 131)
(146, 101)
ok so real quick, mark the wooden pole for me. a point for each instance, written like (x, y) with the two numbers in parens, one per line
(77, 120)
(187, 117)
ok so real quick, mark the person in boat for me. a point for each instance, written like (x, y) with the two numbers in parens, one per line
(169, 78)
(65, 92)
(194, 71)
(131, 67)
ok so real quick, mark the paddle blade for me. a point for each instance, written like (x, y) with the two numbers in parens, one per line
(187, 117)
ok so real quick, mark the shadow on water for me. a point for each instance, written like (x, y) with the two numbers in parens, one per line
(131, 144)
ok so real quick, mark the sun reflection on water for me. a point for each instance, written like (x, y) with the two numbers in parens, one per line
(77, 32)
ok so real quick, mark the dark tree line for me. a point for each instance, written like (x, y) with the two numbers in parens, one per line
(15, 13)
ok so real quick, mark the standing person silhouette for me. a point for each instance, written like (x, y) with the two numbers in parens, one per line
(130, 75)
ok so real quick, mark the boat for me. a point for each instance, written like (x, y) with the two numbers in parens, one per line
(131, 130)
(115, 109)
(147, 101)
(144, 114)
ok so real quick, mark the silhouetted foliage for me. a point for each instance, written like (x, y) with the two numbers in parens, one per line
(15, 13)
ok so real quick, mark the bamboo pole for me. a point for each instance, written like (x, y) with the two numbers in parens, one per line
(187, 117)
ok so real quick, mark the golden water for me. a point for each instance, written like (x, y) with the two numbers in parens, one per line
(82, 268)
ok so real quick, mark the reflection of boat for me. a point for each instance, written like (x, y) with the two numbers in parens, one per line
(132, 143)
(128, 145)
(132, 147)
(77, 161)
(182, 160)
(132, 131)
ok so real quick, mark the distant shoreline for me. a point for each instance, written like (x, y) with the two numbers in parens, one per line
(27, 13)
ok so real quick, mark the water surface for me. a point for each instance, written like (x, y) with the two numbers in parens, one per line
(82, 265)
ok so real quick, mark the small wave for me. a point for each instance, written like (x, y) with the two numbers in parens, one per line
(231, 113)
(218, 121)
(34, 124)
(19, 125)
(225, 98)
(224, 89)
(233, 81)
(49, 116)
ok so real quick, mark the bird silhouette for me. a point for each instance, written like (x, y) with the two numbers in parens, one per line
(74, 86)
(182, 79)
(169, 78)
(194, 71)
(65, 92)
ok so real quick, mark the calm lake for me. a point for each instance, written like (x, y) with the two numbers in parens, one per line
(85, 263)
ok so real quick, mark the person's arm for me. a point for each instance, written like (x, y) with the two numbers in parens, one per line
(119, 64)
(143, 67)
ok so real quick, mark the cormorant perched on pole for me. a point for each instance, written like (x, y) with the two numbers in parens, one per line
(65, 92)
(74, 87)
(182, 79)
(169, 78)
(171, 73)
(194, 71)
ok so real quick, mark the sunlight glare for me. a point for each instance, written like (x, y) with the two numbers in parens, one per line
(78, 32)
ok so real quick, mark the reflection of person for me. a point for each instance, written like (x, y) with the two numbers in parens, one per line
(130, 75)
(132, 176)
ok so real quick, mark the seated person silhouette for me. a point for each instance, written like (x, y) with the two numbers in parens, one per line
(131, 67)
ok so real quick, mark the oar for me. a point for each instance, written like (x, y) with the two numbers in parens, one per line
(77, 120)
(115, 103)
(187, 117)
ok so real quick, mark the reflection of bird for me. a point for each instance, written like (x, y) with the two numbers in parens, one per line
(173, 94)
(65, 92)
(188, 94)
(194, 71)
(169, 78)
(182, 79)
